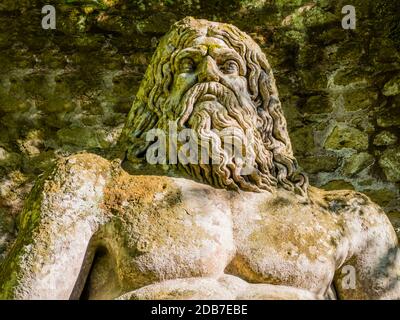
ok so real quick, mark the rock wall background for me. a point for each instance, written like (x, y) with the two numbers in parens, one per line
(70, 89)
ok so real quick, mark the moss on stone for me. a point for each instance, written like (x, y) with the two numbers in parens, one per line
(385, 138)
(359, 99)
(392, 87)
(381, 196)
(390, 163)
(344, 136)
(316, 164)
(356, 163)
(86, 73)
(338, 185)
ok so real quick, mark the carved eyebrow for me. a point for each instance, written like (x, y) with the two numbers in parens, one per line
(226, 54)
(195, 53)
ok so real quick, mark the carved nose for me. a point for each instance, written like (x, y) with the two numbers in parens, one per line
(208, 71)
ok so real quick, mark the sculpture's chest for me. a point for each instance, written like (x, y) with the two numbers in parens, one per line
(285, 245)
(174, 236)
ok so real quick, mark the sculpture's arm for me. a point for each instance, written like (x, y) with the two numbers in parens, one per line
(226, 287)
(59, 219)
(372, 267)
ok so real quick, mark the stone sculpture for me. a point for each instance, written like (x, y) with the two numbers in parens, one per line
(128, 229)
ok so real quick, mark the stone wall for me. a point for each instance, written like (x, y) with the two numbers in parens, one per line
(70, 89)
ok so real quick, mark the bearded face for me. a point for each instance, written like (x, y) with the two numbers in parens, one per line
(213, 79)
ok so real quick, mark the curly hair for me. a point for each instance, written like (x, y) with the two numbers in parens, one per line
(151, 107)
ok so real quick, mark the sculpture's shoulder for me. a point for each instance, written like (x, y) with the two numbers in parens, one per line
(126, 190)
(73, 187)
(87, 176)
(285, 209)
(72, 173)
(328, 221)
(361, 219)
(369, 249)
(351, 206)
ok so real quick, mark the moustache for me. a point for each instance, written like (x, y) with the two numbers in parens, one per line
(206, 91)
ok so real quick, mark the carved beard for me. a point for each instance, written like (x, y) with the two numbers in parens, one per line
(211, 105)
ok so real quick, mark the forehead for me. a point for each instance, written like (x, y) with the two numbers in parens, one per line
(209, 42)
(205, 45)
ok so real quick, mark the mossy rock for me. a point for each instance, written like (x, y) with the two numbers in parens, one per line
(303, 140)
(316, 164)
(356, 163)
(350, 75)
(394, 217)
(315, 80)
(344, 136)
(9, 159)
(317, 104)
(85, 137)
(385, 138)
(381, 196)
(359, 99)
(390, 163)
(338, 185)
(392, 87)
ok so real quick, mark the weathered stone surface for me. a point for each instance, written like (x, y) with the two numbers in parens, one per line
(315, 80)
(390, 163)
(6, 233)
(356, 163)
(343, 136)
(9, 159)
(87, 73)
(317, 104)
(351, 76)
(389, 112)
(388, 120)
(98, 228)
(158, 23)
(385, 138)
(338, 185)
(392, 87)
(86, 194)
(359, 99)
(381, 196)
(394, 217)
(303, 140)
(83, 136)
(227, 287)
(316, 17)
(315, 164)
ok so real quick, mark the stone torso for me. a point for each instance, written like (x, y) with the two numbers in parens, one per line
(119, 235)
(283, 242)
(90, 229)
(167, 228)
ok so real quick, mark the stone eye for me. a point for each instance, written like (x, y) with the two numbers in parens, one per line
(230, 67)
(186, 65)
